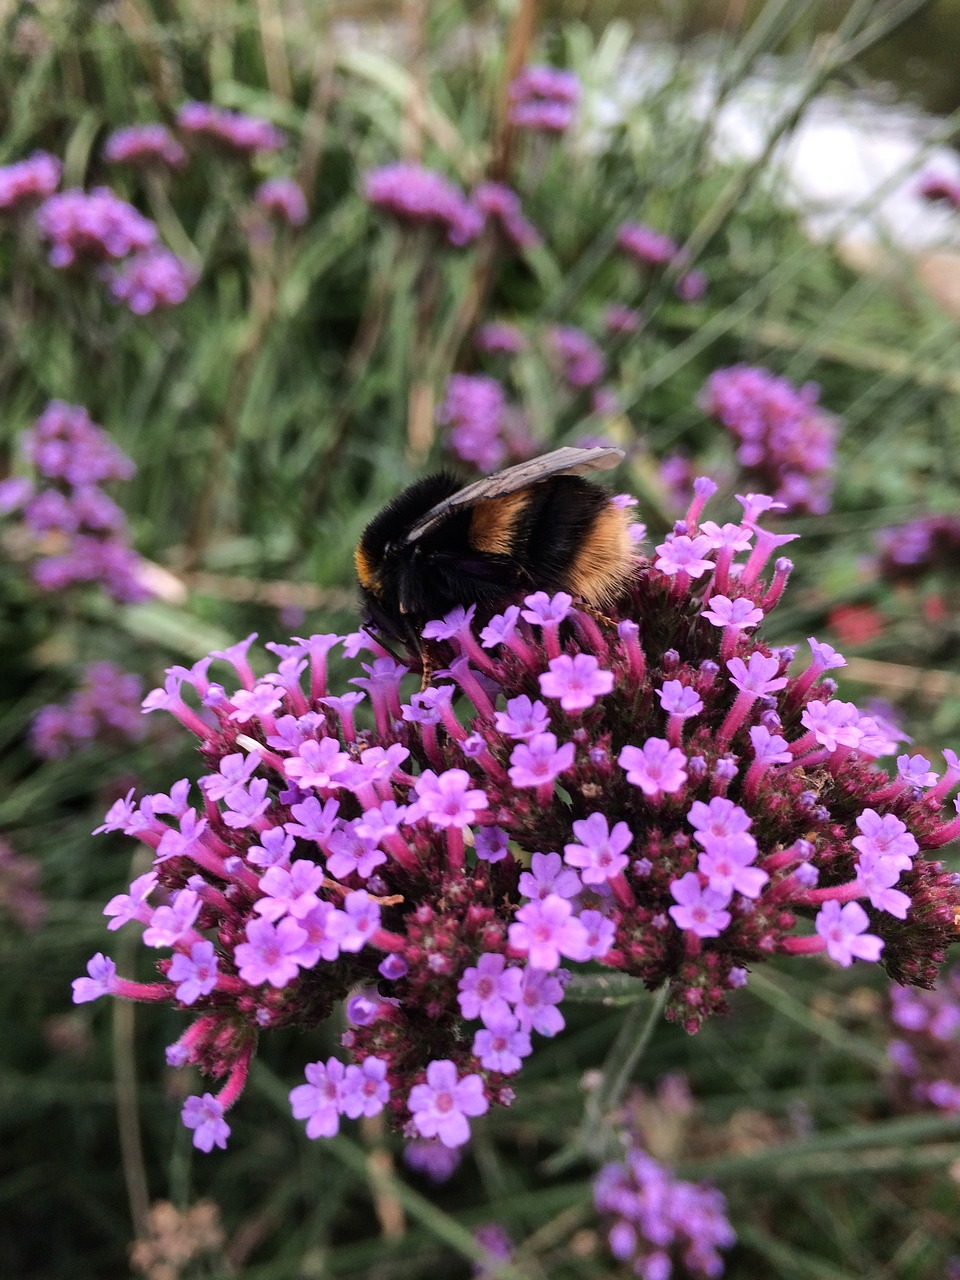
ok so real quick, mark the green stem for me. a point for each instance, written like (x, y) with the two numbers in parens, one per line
(628, 1048)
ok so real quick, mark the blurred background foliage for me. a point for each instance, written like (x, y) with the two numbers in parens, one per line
(275, 410)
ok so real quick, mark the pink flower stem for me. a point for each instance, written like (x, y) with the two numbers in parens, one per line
(148, 991)
(835, 893)
(735, 717)
(455, 849)
(622, 891)
(810, 945)
(237, 1079)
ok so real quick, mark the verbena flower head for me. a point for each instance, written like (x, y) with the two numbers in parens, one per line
(21, 899)
(500, 338)
(652, 248)
(582, 363)
(924, 1048)
(154, 279)
(502, 207)
(420, 196)
(482, 428)
(29, 180)
(930, 544)
(144, 145)
(283, 198)
(655, 1221)
(232, 130)
(79, 533)
(653, 792)
(92, 226)
(544, 99)
(107, 704)
(786, 439)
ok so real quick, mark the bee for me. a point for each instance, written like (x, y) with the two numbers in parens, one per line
(538, 526)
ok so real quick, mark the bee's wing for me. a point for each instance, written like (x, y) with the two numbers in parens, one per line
(568, 461)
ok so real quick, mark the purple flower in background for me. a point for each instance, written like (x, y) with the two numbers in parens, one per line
(582, 363)
(150, 280)
(928, 545)
(231, 129)
(75, 455)
(652, 248)
(284, 199)
(420, 196)
(431, 1158)
(544, 99)
(475, 409)
(620, 319)
(502, 205)
(500, 338)
(92, 226)
(144, 144)
(786, 440)
(496, 1241)
(29, 180)
(654, 1220)
(645, 245)
(925, 1045)
(20, 897)
(107, 705)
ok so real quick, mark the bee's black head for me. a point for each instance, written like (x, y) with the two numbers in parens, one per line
(385, 560)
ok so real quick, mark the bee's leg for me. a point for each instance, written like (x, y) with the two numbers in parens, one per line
(594, 613)
(428, 669)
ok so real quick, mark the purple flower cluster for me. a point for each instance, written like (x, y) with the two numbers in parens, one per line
(786, 439)
(152, 279)
(144, 144)
(232, 130)
(938, 186)
(500, 338)
(283, 199)
(495, 1239)
(925, 1048)
(651, 791)
(106, 705)
(656, 1221)
(928, 545)
(544, 99)
(20, 896)
(501, 205)
(483, 429)
(92, 226)
(582, 363)
(29, 180)
(422, 197)
(652, 248)
(80, 533)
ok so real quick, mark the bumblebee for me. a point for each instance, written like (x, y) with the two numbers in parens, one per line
(538, 526)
